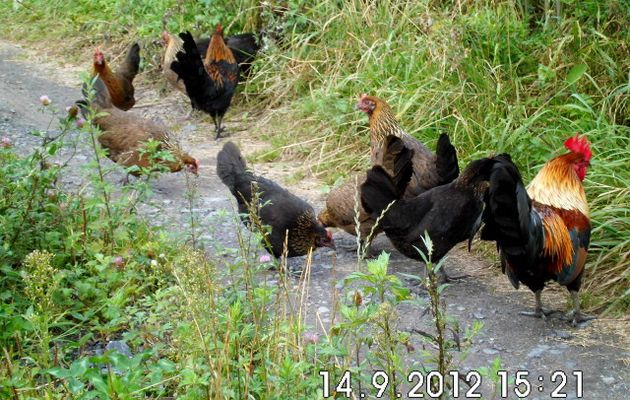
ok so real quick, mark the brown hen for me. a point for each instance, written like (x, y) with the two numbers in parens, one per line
(125, 136)
(120, 83)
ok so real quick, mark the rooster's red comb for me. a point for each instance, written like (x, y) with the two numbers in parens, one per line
(219, 29)
(363, 96)
(581, 145)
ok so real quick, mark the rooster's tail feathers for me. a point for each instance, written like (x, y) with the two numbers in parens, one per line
(230, 163)
(189, 67)
(509, 218)
(446, 159)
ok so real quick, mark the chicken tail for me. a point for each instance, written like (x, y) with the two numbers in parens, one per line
(509, 217)
(380, 188)
(102, 98)
(446, 160)
(189, 67)
(130, 67)
(230, 164)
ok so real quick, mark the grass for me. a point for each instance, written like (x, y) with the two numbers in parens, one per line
(80, 270)
(494, 78)
(482, 74)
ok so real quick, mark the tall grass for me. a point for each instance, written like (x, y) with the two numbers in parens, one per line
(483, 74)
(493, 74)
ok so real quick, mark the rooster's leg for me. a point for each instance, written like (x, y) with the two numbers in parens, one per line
(539, 311)
(217, 126)
(576, 315)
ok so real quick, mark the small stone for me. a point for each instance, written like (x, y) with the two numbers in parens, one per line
(556, 351)
(538, 351)
(326, 266)
(323, 310)
(461, 308)
(562, 334)
(479, 315)
(120, 347)
(490, 351)
(608, 380)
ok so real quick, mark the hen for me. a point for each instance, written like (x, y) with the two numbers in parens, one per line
(340, 209)
(429, 170)
(125, 136)
(284, 212)
(210, 84)
(542, 232)
(244, 47)
(449, 213)
(119, 83)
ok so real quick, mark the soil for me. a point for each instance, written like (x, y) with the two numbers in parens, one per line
(600, 349)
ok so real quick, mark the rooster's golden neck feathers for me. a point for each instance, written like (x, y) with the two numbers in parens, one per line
(218, 50)
(558, 185)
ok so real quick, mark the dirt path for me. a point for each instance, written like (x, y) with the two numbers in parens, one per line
(599, 349)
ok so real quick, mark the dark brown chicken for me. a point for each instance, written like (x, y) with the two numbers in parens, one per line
(125, 136)
(449, 213)
(284, 212)
(119, 83)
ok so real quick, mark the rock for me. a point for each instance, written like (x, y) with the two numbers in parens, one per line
(562, 334)
(538, 351)
(119, 346)
(461, 308)
(479, 315)
(490, 352)
(608, 380)
(323, 310)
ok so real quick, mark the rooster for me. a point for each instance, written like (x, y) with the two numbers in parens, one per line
(125, 136)
(244, 47)
(119, 83)
(449, 213)
(210, 84)
(542, 232)
(286, 213)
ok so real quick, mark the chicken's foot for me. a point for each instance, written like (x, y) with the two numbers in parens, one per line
(218, 128)
(539, 311)
(576, 316)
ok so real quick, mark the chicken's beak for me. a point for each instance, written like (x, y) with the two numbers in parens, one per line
(328, 242)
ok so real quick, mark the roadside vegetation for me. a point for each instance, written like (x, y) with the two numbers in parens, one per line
(82, 270)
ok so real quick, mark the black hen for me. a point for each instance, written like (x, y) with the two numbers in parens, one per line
(210, 84)
(278, 208)
(449, 213)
